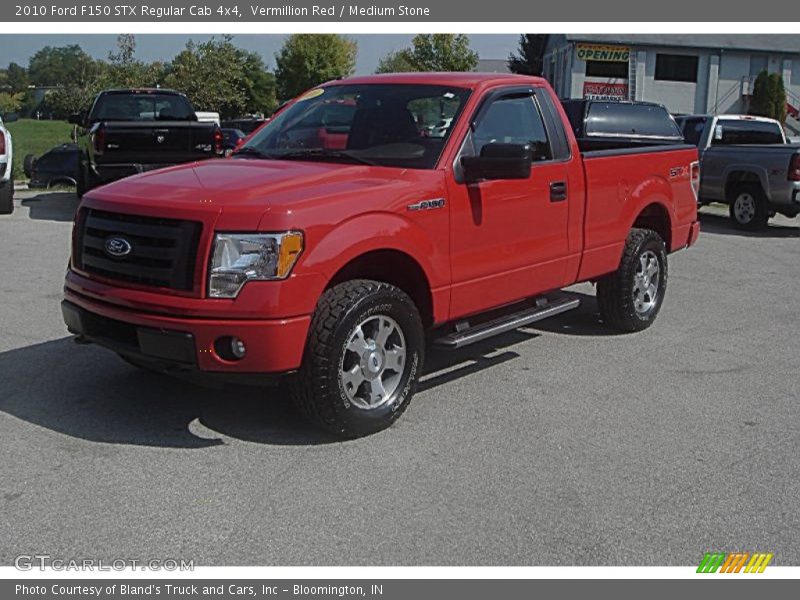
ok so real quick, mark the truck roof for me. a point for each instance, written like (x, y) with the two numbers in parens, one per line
(143, 90)
(458, 79)
(730, 118)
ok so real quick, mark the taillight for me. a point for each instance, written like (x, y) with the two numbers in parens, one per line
(696, 179)
(794, 168)
(218, 141)
(99, 140)
(2, 143)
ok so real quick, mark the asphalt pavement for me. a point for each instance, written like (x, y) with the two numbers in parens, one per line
(560, 444)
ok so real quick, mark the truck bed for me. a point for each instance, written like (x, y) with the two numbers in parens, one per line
(616, 183)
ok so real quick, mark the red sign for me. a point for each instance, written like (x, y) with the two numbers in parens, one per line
(605, 91)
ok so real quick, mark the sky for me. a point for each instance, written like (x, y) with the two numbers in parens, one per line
(19, 48)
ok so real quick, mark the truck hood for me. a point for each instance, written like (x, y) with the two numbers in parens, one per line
(242, 183)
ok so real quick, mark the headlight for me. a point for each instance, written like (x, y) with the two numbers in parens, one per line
(239, 258)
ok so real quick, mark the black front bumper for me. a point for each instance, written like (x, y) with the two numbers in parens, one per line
(163, 350)
(171, 348)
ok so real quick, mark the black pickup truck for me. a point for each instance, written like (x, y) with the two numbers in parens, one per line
(130, 131)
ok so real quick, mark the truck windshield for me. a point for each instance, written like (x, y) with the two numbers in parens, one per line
(746, 132)
(394, 125)
(143, 106)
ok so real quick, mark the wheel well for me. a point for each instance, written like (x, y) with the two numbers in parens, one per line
(737, 177)
(396, 268)
(656, 218)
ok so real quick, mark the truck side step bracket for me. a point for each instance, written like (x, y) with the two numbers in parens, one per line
(543, 309)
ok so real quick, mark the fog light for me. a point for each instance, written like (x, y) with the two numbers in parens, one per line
(230, 348)
(237, 347)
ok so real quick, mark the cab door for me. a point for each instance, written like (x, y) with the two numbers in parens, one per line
(509, 238)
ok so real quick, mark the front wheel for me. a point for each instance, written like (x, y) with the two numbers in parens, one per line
(362, 360)
(630, 298)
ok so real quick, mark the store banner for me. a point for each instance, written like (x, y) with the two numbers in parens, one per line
(602, 52)
(605, 91)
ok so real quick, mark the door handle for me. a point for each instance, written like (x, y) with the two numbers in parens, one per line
(558, 191)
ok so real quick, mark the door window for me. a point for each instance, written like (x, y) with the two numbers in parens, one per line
(510, 120)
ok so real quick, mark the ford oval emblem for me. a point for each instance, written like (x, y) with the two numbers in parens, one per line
(118, 247)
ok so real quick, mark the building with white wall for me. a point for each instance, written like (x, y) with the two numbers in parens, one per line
(688, 73)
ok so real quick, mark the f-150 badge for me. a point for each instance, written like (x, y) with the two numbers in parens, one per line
(427, 204)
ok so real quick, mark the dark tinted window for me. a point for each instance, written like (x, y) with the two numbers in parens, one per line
(746, 132)
(606, 68)
(397, 125)
(514, 120)
(693, 130)
(676, 67)
(626, 119)
(143, 106)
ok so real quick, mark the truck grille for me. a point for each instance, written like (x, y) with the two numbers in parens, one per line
(162, 252)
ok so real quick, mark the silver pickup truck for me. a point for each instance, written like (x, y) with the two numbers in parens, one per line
(746, 163)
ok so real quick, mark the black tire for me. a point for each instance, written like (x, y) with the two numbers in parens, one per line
(318, 388)
(623, 304)
(83, 180)
(7, 196)
(27, 165)
(748, 206)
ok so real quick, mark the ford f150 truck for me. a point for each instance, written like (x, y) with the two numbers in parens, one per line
(132, 131)
(6, 171)
(331, 246)
(746, 163)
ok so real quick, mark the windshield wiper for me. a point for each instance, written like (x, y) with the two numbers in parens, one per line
(301, 153)
(253, 152)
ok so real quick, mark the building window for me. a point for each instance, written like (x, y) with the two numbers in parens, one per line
(606, 68)
(676, 67)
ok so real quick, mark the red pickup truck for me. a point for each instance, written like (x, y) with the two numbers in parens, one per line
(374, 215)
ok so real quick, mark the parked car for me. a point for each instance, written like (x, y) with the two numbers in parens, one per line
(746, 163)
(248, 125)
(606, 124)
(331, 264)
(57, 166)
(131, 131)
(232, 139)
(6, 171)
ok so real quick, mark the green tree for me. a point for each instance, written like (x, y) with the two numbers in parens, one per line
(124, 70)
(218, 76)
(432, 52)
(769, 97)
(529, 58)
(16, 79)
(306, 60)
(64, 65)
(10, 102)
(400, 61)
(66, 100)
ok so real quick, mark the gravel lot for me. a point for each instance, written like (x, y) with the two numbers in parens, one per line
(560, 444)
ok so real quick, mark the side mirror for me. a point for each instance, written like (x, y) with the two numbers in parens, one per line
(498, 161)
(78, 119)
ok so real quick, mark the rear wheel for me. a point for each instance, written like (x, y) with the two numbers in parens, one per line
(7, 196)
(362, 360)
(630, 298)
(748, 206)
(83, 180)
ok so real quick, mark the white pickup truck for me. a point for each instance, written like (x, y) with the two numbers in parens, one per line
(6, 172)
(746, 163)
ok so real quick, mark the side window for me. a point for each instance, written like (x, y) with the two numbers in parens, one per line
(512, 120)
